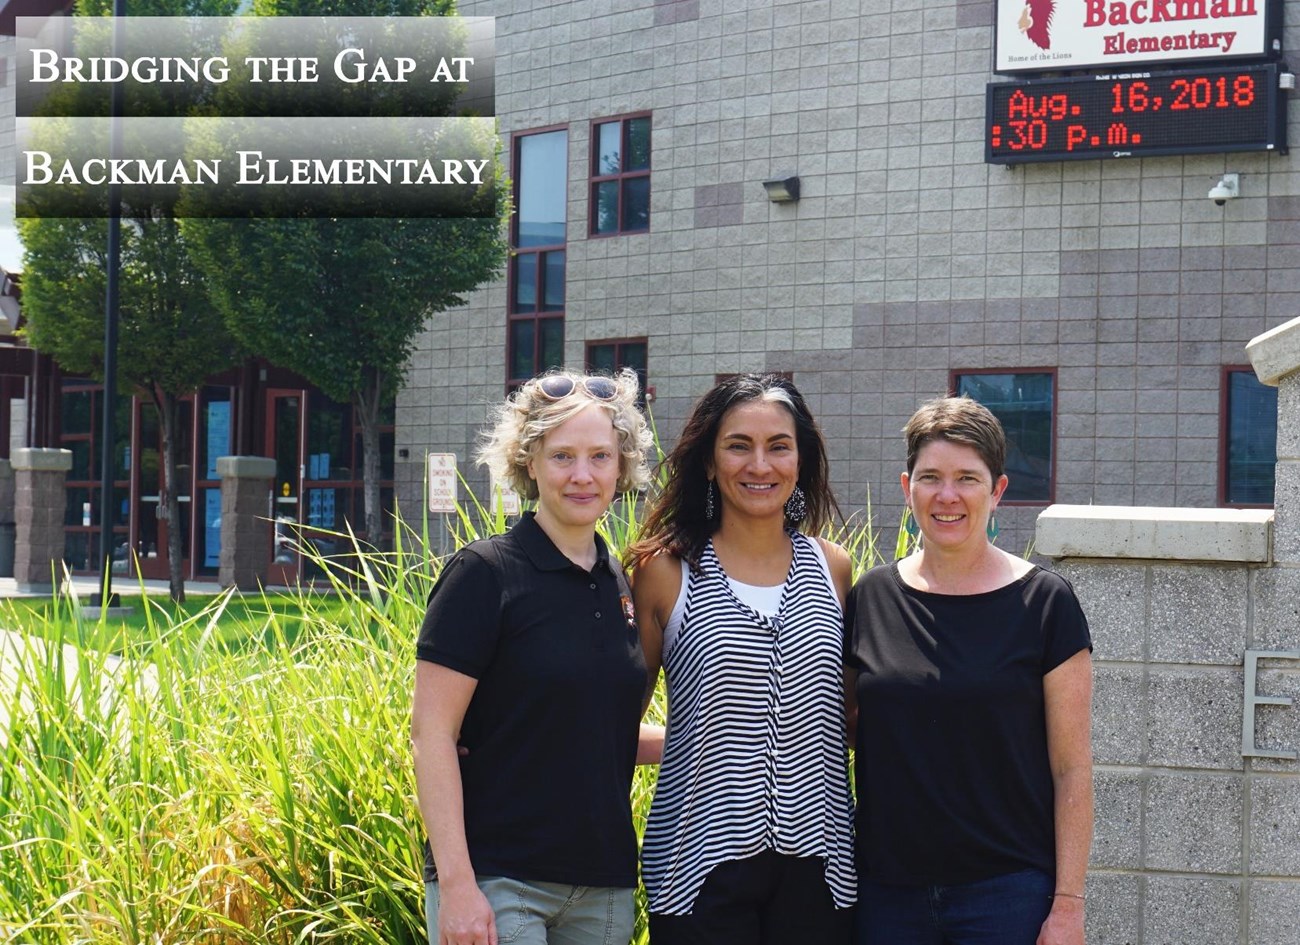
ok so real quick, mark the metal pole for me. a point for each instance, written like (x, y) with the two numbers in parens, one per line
(107, 447)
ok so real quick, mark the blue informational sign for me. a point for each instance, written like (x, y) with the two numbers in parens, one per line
(212, 527)
(320, 507)
(218, 434)
(318, 466)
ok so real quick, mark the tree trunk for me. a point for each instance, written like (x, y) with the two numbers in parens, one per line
(169, 503)
(368, 410)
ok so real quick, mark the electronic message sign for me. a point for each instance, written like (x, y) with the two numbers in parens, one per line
(1136, 114)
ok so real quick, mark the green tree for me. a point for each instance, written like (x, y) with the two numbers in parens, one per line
(171, 335)
(341, 301)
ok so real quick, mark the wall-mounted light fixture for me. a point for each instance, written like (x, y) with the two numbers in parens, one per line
(782, 189)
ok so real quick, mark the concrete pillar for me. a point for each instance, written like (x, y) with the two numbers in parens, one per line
(1275, 356)
(246, 530)
(40, 502)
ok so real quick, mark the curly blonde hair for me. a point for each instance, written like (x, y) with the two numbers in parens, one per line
(523, 420)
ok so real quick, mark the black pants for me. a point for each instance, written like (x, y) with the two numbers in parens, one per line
(767, 899)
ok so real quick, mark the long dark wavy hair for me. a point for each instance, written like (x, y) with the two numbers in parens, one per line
(675, 521)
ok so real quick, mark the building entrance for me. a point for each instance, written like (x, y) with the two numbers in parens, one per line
(284, 444)
(152, 529)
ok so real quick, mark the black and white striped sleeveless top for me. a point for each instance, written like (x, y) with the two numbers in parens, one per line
(755, 756)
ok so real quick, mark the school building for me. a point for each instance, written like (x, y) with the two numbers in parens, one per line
(711, 186)
(820, 188)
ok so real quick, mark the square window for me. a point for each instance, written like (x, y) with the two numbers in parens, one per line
(607, 357)
(1024, 402)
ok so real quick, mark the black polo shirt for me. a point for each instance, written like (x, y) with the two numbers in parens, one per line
(552, 726)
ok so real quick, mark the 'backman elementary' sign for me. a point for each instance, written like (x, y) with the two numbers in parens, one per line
(1044, 35)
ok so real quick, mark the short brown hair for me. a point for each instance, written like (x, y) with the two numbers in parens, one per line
(958, 420)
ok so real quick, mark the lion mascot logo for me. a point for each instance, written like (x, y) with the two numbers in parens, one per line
(1036, 22)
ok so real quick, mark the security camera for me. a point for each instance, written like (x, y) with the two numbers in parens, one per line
(1226, 189)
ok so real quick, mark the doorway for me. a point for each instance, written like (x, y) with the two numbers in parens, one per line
(284, 444)
(152, 530)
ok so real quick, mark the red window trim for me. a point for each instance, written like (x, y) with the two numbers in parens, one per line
(537, 314)
(596, 178)
(954, 373)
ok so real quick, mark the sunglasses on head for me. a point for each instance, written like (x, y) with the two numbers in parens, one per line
(559, 386)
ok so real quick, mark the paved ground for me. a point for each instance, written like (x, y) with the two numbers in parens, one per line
(87, 588)
(27, 657)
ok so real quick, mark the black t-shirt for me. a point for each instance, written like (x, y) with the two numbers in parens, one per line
(552, 726)
(952, 772)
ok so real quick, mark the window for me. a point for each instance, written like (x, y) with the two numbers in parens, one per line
(1249, 439)
(620, 176)
(536, 280)
(215, 440)
(81, 405)
(1025, 404)
(607, 357)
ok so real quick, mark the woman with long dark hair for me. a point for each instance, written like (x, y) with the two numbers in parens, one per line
(748, 839)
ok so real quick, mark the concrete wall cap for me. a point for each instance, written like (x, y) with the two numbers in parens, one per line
(1276, 353)
(245, 467)
(1114, 531)
(44, 460)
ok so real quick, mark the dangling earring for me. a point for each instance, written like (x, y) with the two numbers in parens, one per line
(709, 508)
(991, 529)
(796, 507)
(910, 524)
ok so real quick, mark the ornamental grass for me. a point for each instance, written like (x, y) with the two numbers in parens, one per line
(238, 774)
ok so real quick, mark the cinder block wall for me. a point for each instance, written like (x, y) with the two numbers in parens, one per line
(1196, 842)
(906, 257)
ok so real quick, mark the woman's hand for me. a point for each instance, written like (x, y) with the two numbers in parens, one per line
(464, 915)
(1064, 925)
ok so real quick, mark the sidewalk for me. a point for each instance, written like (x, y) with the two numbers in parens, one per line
(87, 587)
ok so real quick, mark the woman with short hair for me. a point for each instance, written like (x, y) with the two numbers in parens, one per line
(529, 658)
(973, 763)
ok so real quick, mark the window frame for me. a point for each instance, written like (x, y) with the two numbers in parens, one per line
(647, 392)
(537, 314)
(1225, 441)
(1054, 460)
(595, 178)
(124, 484)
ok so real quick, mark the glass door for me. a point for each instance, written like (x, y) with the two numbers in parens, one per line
(152, 529)
(284, 444)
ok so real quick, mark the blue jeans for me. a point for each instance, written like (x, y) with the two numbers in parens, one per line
(1004, 910)
(536, 913)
